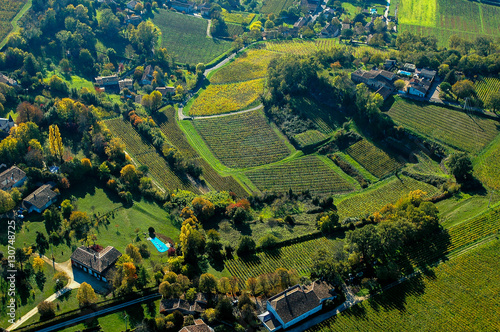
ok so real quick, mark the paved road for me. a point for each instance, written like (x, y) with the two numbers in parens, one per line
(72, 284)
(99, 313)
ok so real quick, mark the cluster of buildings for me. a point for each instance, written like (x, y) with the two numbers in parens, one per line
(417, 82)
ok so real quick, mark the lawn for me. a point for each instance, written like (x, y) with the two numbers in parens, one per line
(242, 140)
(448, 126)
(305, 173)
(459, 295)
(226, 98)
(73, 81)
(185, 37)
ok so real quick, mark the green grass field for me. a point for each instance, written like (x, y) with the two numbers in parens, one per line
(237, 17)
(226, 98)
(242, 140)
(373, 159)
(146, 154)
(250, 65)
(451, 127)
(185, 36)
(444, 18)
(305, 173)
(379, 195)
(462, 295)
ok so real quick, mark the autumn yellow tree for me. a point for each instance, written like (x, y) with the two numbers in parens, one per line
(38, 264)
(55, 142)
(129, 174)
(86, 295)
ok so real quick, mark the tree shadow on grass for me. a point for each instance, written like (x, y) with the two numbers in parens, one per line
(395, 297)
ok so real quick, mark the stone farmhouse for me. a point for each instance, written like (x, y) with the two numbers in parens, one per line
(12, 177)
(6, 124)
(381, 81)
(98, 263)
(40, 199)
(199, 326)
(295, 304)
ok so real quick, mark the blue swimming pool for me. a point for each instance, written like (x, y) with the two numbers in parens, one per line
(162, 247)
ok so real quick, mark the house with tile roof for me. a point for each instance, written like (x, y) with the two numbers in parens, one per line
(95, 260)
(199, 326)
(295, 304)
(382, 81)
(12, 177)
(40, 199)
(6, 124)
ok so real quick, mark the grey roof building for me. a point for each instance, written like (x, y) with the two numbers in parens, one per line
(94, 262)
(40, 199)
(12, 177)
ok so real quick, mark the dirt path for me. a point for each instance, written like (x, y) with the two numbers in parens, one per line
(72, 284)
(209, 35)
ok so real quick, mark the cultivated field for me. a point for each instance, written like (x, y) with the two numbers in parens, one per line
(451, 127)
(485, 86)
(376, 197)
(169, 127)
(461, 296)
(444, 18)
(8, 10)
(225, 98)
(238, 17)
(309, 138)
(275, 6)
(373, 159)
(322, 115)
(248, 66)
(186, 37)
(296, 256)
(306, 173)
(487, 165)
(242, 140)
(147, 155)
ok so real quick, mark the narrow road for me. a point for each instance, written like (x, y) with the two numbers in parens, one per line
(99, 313)
(209, 35)
(72, 284)
(387, 9)
(192, 117)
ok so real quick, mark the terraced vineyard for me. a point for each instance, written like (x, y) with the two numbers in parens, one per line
(306, 173)
(462, 296)
(373, 159)
(309, 138)
(374, 199)
(323, 116)
(275, 6)
(248, 66)
(296, 256)
(451, 127)
(8, 10)
(225, 98)
(185, 37)
(486, 86)
(242, 140)
(175, 136)
(487, 165)
(147, 155)
(444, 18)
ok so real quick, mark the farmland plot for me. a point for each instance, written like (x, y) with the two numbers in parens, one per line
(306, 173)
(8, 10)
(447, 301)
(226, 98)
(242, 140)
(451, 127)
(373, 159)
(147, 155)
(275, 6)
(486, 86)
(186, 37)
(487, 166)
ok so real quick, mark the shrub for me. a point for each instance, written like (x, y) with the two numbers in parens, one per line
(268, 241)
(46, 310)
(246, 246)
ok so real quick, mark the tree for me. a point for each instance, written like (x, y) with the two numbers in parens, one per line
(145, 37)
(246, 246)
(224, 310)
(165, 289)
(28, 113)
(224, 287)
(463, 89)
(129, 174)
(445, 87)
(460, 166)
(86, 295)
(55, 142)
(79, 221)
(208, 283)
(6, 202)
(493, 102)
(38, 263)
(400, 84)
(200, 68)
(46, 310)
(252, 284)
(61, 279)
(134, 253)
(115, 149)
(109, 23)
(202, 208)
(41, 243)
(268, 241)
(156, 100)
